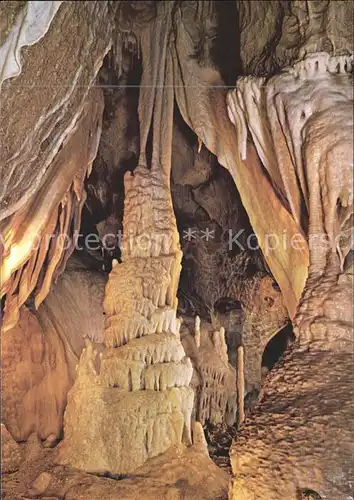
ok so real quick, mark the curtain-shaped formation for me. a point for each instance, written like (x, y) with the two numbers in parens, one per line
(39, 239)
(202, 103)
(301, 122)
(49, 133)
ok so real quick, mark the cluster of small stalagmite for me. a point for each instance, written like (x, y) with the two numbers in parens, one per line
(207, 349)
(215, 405)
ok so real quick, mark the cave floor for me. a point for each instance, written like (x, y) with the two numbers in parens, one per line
(186, 473)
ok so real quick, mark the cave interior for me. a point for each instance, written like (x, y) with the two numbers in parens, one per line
(176, 250)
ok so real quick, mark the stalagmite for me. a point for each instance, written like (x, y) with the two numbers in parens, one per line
(197, 331)
(240, 386)
(199, 438)
(143, 373)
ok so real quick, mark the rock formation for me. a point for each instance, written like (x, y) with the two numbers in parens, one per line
(40, 353)
(176, 187)
(305, 145)
(40, 210)
(143, 374)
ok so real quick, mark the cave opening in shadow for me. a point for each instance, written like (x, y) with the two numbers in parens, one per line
(2, 307)
(277, 346)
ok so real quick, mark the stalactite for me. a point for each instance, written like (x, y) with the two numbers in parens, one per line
(262, 108)
(218, 134)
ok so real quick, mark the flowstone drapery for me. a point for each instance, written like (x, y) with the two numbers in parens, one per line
(49, 136)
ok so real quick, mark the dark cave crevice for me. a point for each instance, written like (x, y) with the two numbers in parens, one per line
(227, 48)
(277, 346)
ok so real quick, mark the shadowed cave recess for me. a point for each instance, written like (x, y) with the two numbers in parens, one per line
(176, 224)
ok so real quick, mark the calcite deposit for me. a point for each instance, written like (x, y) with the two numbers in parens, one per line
(176, 249)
